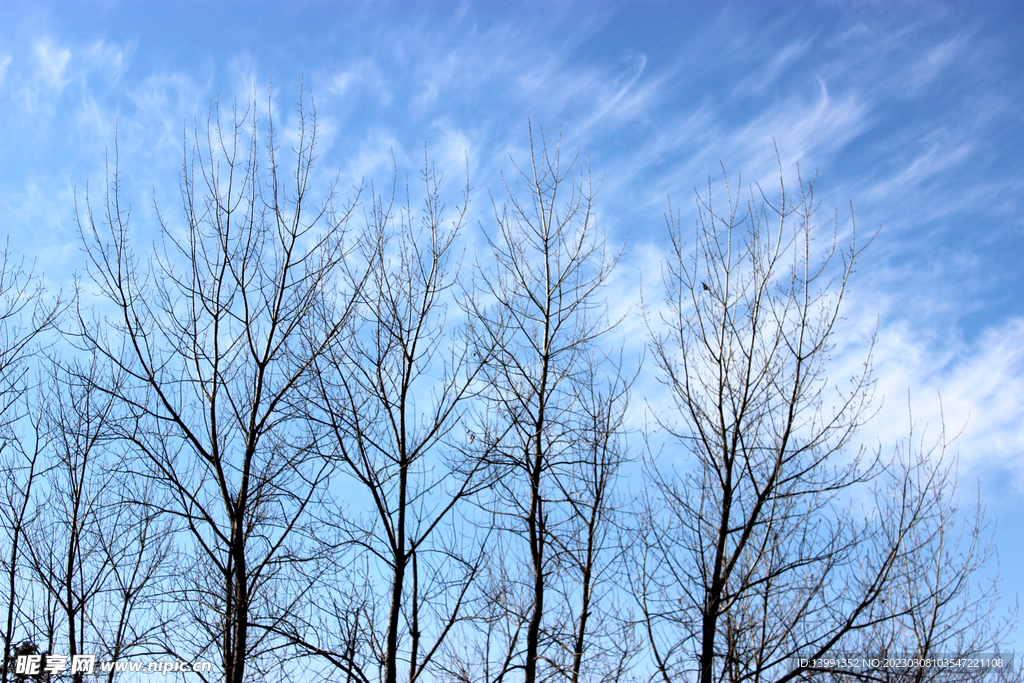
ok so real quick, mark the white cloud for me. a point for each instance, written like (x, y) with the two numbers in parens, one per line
(51, 64)
(974, 388)
(935, 61)
(107, 59)
(766, 74)
(5, 61)
(452, 149)
(808, 130)
(360, 77)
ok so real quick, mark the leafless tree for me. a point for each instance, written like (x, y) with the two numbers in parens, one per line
(943, 605)
(346, 450)
(591, 552)
(397, 416)
(753, 555)
(97, 556)
(541, 311)
(23, 466)
(215, 335)
(25, 315)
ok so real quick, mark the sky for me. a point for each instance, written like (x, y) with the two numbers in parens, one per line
(910, 112)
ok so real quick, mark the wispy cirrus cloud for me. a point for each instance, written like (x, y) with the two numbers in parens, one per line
(5, 61)
(51, 65)
(898, 116)
(971, 389)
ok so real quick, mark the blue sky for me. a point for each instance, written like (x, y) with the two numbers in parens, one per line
(911, 111)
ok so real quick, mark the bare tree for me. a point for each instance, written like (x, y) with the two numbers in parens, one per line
(66, 548)
(215, 335)
(750, 315)
(591, 552)
(97, 555)
(542, 312)
(340, 449)
(752, 556)
(25, 315)
(397, 416)
(942, 609)
(23, 465)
